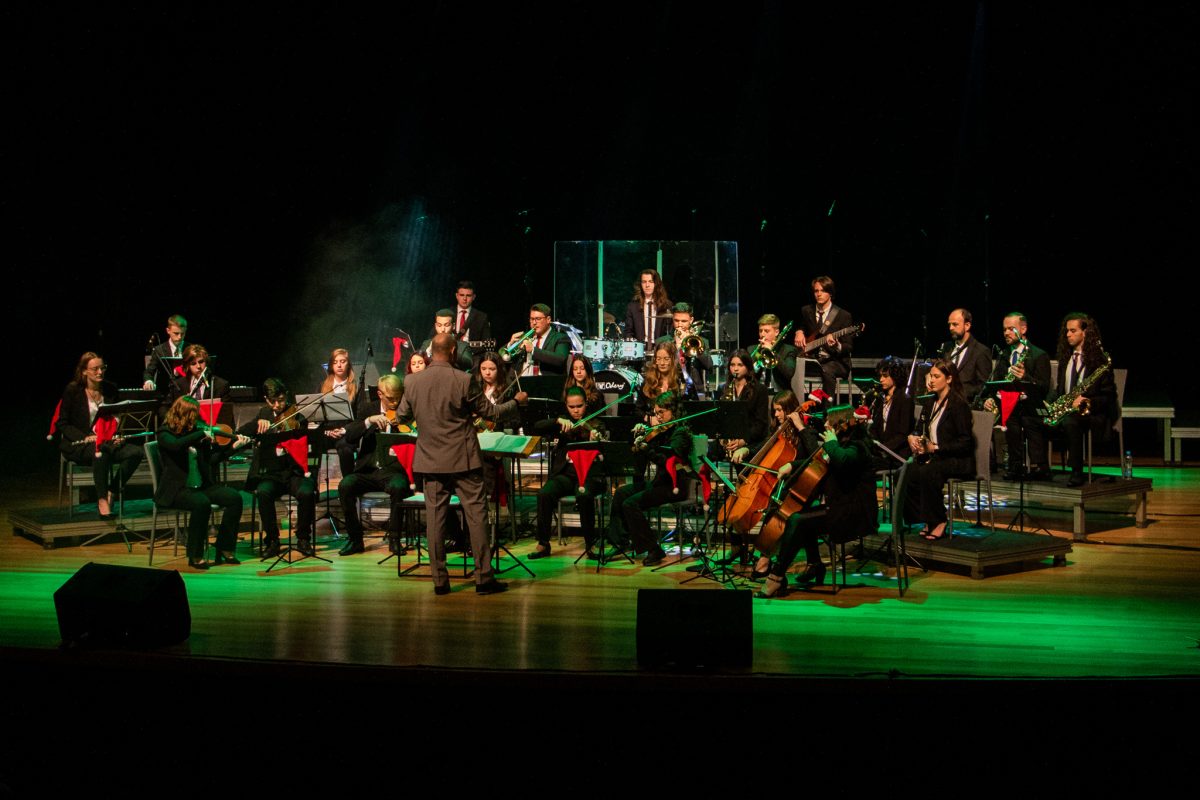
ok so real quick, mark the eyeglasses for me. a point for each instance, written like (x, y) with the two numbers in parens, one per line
(538, 318)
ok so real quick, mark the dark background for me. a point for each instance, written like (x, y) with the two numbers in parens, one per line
(293, 180)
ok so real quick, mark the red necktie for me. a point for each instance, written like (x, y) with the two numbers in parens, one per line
(462, 323)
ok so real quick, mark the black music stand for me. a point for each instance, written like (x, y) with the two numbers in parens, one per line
(618, 460)
(124, 411)
(164, 372)
(285, 554)
(510, 447)
(329, 411)
(384, 442)
(707, 568)
(1024, 388)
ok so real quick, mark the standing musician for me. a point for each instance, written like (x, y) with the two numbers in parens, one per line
(971, 356)
(172, 348)
(892, 412)
(373, 472)
(274, 472)
(779, 376)
(946, 449)
(816, 322)
(544, 349)
(85, 433)
(671, 450)
(661, 374)
(443, 322)
(470, 324)
(579, 373)
(563, 479)
(188, 456)
(696, 367)
(1021, 361)
(199, 383)
(1080, 357)
(341, 380)
(646, 315)
(849, 509)
(448, 457)
(743, 385)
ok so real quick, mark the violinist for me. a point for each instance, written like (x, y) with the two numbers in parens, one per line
(199, 382)
(188, 455)
(849, 509)
(563, 478)
(372, 472)
(661, 374)
(579, 373)
(274, 472)
(670, 447)
(84, 438)
(946, 449)
(891, 412)
(743, 385)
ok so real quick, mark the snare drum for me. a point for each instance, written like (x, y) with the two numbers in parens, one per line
(631, 350)
(618, 379)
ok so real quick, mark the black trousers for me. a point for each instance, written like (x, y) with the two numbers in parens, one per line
(564, 485)
(357, 484)
(801, 531)
(924, 502)
(299, 487)
(1029, 427)
(198, 503)
(127, 457)
(631, 503)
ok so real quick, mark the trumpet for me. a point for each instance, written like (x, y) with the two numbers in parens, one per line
(764, 357)
(509, 351)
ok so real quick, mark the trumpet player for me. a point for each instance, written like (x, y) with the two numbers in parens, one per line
(1022, 363)
(541, 349)
(694, 360)
(817, 322)
(776, 375)
(1083, 369)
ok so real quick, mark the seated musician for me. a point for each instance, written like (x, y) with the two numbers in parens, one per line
(786, 419)
(818, 322)
(544, 351)
(579, 373)
(1022, 362)
(274, 472)
(188, 455)
(671, 450)
(779, 376)
(443, 322)
(743, 385)
(371, 472)
(341, 380)
(173, 347)
(695, 368)
(892, 412)
(563, 478)
(944, 449)
(1085, 377)
(84, 439)
(661, 374)
(199, 382)
(848, 511)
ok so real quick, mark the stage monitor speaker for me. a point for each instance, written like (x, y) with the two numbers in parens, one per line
(124, 606)
(695, 628)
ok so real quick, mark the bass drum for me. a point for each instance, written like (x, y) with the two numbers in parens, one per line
(618, 379)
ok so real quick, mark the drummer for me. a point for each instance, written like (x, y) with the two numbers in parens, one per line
(694, 360)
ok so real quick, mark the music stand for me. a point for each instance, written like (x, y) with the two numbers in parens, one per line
(271, 439)
(124, 411)
(724, 574)
(329, 411)
(1026, 389)
(512, 447)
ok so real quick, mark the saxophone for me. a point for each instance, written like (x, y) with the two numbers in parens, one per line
(1064, 406)
(1009, 377)
(727, 395)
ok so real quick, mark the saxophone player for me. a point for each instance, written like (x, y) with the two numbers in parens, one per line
(1022, 363)
(1085, 376)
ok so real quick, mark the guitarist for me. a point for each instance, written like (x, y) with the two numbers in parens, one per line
(818, 322)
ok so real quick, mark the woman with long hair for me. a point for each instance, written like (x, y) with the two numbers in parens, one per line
(944, 449)
(580, 373)
(743, 385)
(340, 377)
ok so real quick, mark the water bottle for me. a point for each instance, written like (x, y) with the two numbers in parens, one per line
(1127, 464)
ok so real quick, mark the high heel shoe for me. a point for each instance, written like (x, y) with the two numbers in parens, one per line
(761, 569)
(735, 554)
(201, 564)
(225, 558)
(776, 586)
(937, 534)
(813, 573)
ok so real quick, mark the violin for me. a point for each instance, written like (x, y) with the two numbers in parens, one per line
(287, 420)
(222, 434)
(398, 428)
(642, 441)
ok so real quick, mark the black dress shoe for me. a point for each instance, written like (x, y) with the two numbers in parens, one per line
(654, 557)
(539, 553)
(198, 564)
(443, 588)
(351, 547)
(225, 558)
(491, 587)
(813, 573)
(271, 548)
(305, 546)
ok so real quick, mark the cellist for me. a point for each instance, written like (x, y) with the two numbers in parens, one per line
(849, 510)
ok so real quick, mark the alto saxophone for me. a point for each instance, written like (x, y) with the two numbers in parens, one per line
(1064, 406)
(727, 444)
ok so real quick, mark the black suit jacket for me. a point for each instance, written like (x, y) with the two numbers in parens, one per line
(892, 432)
(635, 321)
(155, 369)
(838, 318)
(266, 464)
(559, 463)
(74, 417)
(1102, 394)
(955, 434)
(975, 367)
(760, 414)
(1037, 375)
(478, 325)
(218, 390)
(551, 357)
(463, 359)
